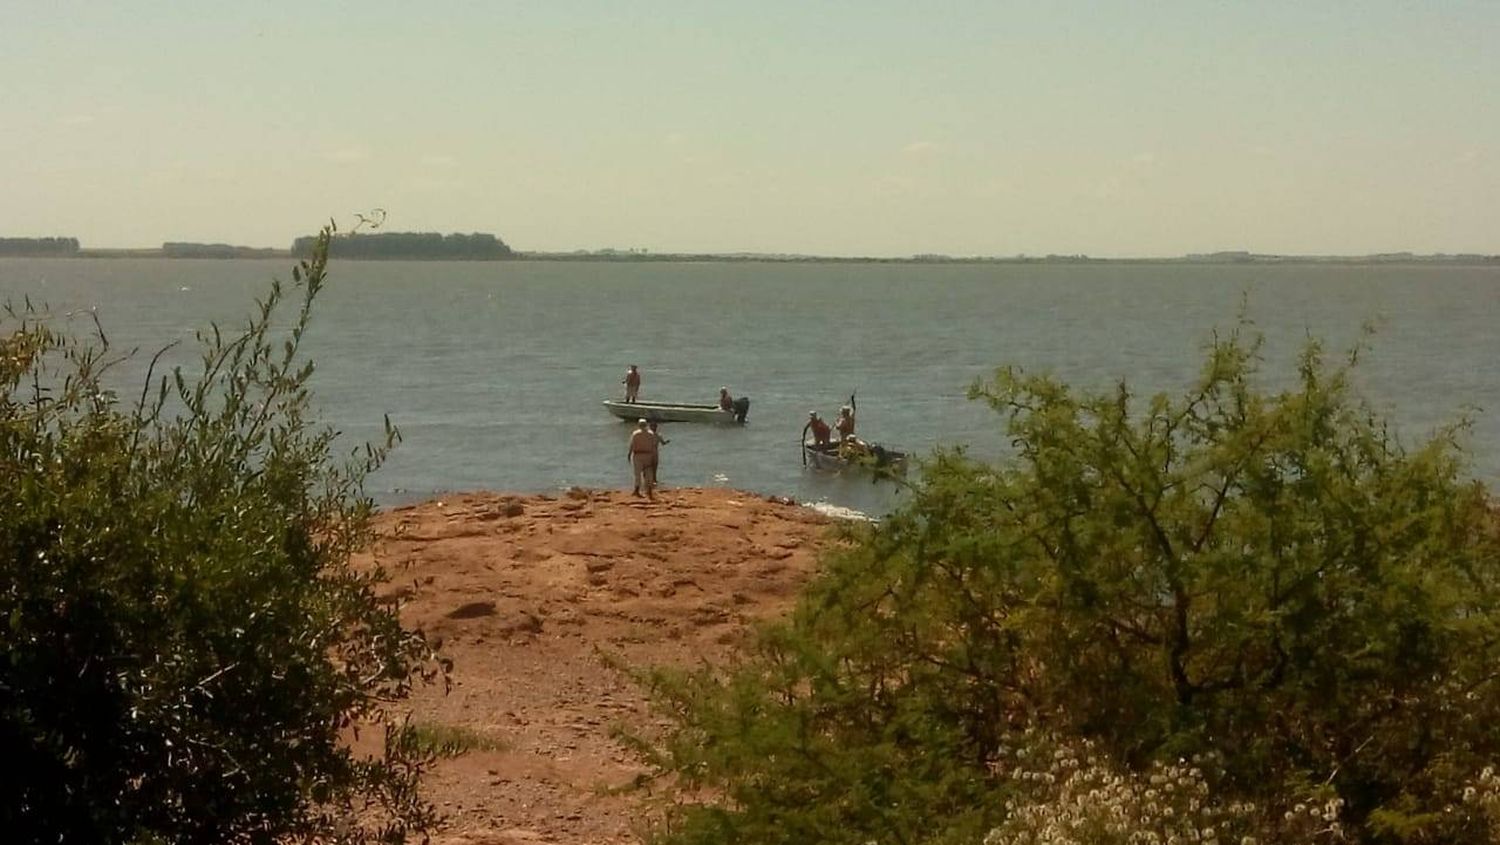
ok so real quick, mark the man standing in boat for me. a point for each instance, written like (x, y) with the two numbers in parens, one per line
(820, 430)
(726, 402)
(642, 455)
(845, 422)
(632, 382)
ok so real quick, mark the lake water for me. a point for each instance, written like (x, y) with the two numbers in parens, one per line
(494, 371)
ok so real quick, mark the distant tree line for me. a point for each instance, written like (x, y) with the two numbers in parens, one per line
(175, 249)
(38, 246)
(410, 245)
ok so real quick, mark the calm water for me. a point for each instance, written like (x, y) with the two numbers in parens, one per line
(494, 371)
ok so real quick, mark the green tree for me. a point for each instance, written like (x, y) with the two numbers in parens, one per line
(1269, 578)
(38, 246)
(411, 245)
(186, 653)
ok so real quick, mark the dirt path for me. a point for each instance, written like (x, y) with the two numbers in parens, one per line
(524, 592)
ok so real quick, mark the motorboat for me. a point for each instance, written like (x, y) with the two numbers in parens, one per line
(678, 412)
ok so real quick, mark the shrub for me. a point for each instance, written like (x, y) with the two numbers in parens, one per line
(1068, 794)
(1272, 578)
(187, 652)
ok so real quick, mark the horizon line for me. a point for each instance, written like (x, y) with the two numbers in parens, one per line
(643, 253)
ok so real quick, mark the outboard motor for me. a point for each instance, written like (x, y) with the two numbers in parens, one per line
(741, 409)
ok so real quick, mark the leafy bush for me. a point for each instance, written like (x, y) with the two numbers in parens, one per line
(187, 653)
(1069, 795)
(1272, 578)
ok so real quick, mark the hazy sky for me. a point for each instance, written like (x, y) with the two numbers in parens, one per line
(875, 128)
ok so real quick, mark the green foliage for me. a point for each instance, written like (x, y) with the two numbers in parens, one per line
(1272, 579)
(187, 652)
(441, 740)
(38, 246)
(457, 246)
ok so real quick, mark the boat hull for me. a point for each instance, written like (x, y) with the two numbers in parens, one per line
(669, 412)
(879, 460)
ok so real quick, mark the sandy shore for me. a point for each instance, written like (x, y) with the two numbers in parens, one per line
(524, 592)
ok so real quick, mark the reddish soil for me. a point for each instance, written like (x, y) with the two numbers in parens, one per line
(526, 592)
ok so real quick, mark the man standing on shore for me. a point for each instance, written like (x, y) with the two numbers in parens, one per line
(632, 382)
(642, 457)
(656, 457)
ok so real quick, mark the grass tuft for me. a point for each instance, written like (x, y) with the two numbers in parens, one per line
(453, 740)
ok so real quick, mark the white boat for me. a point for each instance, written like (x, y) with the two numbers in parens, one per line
(675, 412)
(877, 458)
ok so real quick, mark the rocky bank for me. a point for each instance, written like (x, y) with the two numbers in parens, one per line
(525, 595)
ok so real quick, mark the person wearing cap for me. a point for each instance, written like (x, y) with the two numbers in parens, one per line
(642, 456)
(726, 402)
(656, 456)
(845, 423)
(632, 382)
(820, 430)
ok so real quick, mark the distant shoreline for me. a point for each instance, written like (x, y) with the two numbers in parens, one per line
(1394, 259)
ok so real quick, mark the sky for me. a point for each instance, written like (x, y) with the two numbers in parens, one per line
(1117, 129)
